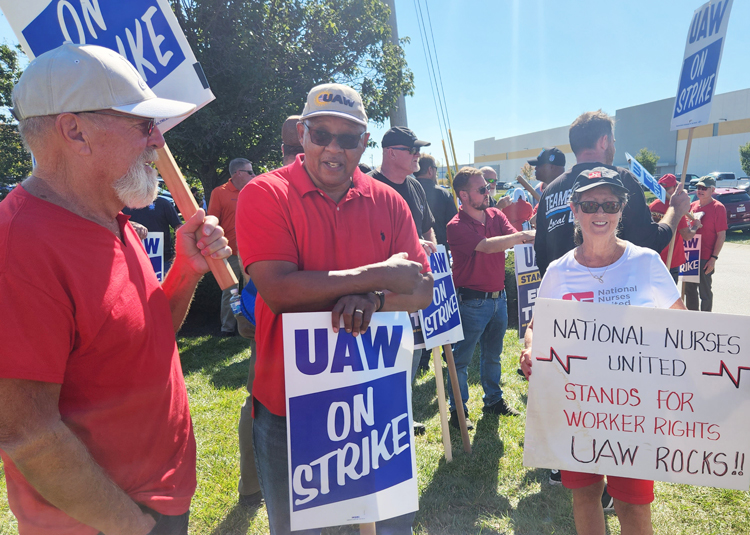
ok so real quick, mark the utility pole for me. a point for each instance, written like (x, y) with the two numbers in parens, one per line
(398, 112)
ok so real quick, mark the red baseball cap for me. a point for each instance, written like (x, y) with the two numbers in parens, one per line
(668, 181)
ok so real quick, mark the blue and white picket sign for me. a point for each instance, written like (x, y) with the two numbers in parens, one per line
(154, 245)
(528, 280)
(700, 64)
(349, 421)
(145, 32)
(690, 270)
(441, 322)
(645, 178)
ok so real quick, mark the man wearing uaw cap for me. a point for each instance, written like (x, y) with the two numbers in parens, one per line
(95, 428)
(319, 235)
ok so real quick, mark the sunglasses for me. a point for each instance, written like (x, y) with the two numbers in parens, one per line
(701, 188)
(323, 138)
(592, 207)
(490, 181)
(482, 190)
(413, 150)
(149, 128)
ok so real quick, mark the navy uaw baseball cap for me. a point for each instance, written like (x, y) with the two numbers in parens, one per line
(598, 176)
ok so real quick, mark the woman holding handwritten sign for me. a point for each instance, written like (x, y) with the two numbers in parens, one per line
(605, 269)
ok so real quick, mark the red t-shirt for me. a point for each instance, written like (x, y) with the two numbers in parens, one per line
(714, 220)
(484, 272)
(518, 213)
(678, 257)
(80, 308)
(223, 205)
(281, 215)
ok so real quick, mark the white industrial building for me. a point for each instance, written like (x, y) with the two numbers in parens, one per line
(715, 145)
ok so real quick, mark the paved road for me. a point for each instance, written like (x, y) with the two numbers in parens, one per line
(731, 283)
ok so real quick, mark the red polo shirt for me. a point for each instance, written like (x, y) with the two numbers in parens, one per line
(282, 215)
(678, 257)
(484, 272)
(714, 220)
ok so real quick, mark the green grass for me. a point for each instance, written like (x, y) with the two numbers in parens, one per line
(488, 492)
(737, 236)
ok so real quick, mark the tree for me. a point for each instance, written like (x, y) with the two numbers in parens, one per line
(527, 172)
(647, 159)
(745, 158)
(262, 57)
(15, 162)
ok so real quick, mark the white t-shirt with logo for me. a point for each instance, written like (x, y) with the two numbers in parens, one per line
(637, 278)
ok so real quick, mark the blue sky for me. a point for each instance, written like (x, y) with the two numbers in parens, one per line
(511, 67)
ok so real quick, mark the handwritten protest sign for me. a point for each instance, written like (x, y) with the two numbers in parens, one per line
(690, 270)
(527, 282)
(645, 178)
(700, 64)
(154, 245)
(640, 392)
(145, 32)
(349, 421)
(441, 322)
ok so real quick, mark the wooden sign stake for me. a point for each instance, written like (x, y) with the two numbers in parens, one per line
(457, 396)
(186, 203)
(437, 361)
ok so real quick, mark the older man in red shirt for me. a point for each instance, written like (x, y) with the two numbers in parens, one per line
(479, 236)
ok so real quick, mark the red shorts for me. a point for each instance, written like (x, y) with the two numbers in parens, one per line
(625, 489)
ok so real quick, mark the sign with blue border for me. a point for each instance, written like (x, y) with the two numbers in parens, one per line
(154, 245)
(440, 321)
(349, 423)
(528, 280)
(645, 178)
(700, 64)
(145, 32)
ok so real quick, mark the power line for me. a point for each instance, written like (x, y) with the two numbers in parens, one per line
(437, 61)
(429, 72)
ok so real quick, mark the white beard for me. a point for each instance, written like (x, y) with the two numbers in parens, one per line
(139, 186)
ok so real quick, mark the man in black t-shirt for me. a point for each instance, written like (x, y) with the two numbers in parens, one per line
(593, 143)
(400, 161)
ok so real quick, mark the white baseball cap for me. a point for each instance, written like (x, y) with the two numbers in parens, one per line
(74, 78)
(337, 100)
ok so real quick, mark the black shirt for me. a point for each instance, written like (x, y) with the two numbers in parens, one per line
(441, 205)
(554, 220)
(157, 217)
(413, 193)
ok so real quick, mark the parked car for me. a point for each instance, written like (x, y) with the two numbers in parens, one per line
(690, 181)
(737, 203)
(724, 180)
(743, 183)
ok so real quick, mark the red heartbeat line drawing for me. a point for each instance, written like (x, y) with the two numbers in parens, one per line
(723, 368)
(565, 365)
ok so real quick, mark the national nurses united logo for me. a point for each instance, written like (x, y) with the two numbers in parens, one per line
(587, 297)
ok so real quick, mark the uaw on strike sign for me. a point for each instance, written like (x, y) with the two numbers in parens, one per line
(349, 422)
(700, 64)
(640, 392)
(145, 32)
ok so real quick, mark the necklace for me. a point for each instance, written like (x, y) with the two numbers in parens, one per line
(600, 278)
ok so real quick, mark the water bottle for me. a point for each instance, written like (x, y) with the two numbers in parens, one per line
(234, 302)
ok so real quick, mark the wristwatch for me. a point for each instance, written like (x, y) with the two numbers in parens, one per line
(714, 256)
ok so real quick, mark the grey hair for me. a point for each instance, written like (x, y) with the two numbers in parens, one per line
(33, 131)
(488, 168)
(235, 164)
(575, 198)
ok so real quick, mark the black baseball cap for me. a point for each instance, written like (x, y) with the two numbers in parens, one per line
(554, 156)
(598, 176)
(400, 135)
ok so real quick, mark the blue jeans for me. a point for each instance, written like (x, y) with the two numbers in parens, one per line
(483, 321)
(269, 439)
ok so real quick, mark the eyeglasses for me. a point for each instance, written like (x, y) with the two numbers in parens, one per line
(592, 207)
(482, 190)
(323, 138)
(149, 128)
(701, 188)
(412, 150)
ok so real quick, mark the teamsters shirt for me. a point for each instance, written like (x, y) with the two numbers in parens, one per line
(554, 222)
(637, 278)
